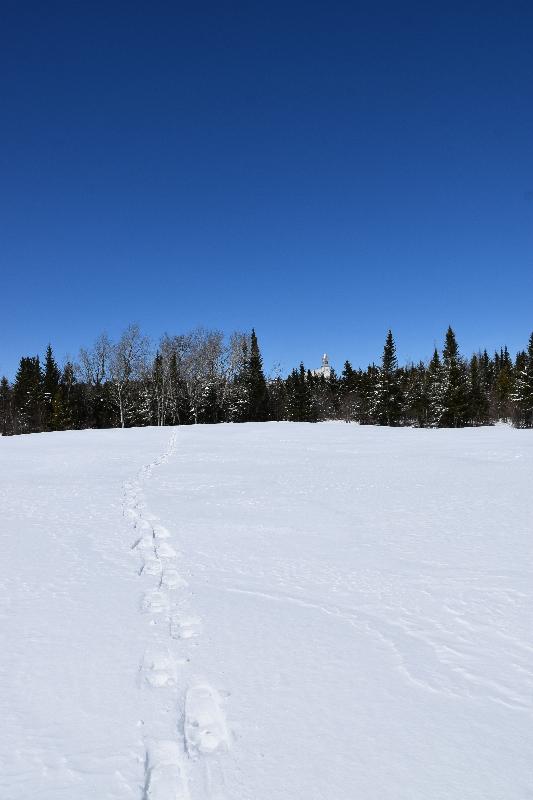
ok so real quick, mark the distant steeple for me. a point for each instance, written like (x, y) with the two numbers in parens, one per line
(325, 369)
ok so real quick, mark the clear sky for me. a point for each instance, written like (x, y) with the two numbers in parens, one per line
(321, 171)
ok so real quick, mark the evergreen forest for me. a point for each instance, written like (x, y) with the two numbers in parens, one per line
(204, 377)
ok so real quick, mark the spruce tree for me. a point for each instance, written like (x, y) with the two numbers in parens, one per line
(486, 373)
(416, 403)
(455, 385)
(71, 405)
(256, 384)
(501, 388)
(298, 396)
(277, 395)
(312, 383)
(6, 412)
(51, 374)
(387, 408)
(368, 382)
(523, 392)
(53, 405)
(434, 390)
(330, 401)
(323, 396)
(291, 383)
(155, 392)
(348, 386)
(28, 395)
(238, 396)
(209, 405)
(59, 418)
(478, 403)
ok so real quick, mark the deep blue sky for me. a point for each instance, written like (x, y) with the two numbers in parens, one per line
(322, 171)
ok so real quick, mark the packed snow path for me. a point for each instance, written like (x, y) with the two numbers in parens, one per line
(267, 612)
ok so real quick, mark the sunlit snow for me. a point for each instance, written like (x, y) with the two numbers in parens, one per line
(267, 612)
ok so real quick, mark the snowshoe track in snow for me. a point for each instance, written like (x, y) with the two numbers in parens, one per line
(159, 669)
(166, 777)
(205, 722)
(202, 730)
(185, 627)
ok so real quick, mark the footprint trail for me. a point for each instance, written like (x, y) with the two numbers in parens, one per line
(175, 743)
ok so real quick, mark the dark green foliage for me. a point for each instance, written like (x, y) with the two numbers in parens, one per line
(178, 408)
(277, 396)
(238, 395)
(347, 392)
(368, 382)
(523, 391)
(416, 410)
(455, 390)
(499, 386)
(327, 397)
(256, 384)
(388, 401)
(478, 401)
(53, 412)
(197, 378)
(51, 374)
(435, 390)
(248, 396)
(209, 409)
(28, 396)
(70, 397)
(6, 408)
(299, 399)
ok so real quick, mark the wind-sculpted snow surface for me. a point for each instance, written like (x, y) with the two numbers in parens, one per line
(267, 612)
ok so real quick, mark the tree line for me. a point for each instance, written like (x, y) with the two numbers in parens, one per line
(204, 377)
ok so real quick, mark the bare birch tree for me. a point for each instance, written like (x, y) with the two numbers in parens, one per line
(127, 365)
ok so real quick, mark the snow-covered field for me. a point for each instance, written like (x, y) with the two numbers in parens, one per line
(267, 612)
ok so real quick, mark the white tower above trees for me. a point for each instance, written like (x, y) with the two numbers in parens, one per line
(325, 369)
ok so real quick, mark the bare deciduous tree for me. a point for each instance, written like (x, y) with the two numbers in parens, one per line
(94, 364)
(128, 363)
